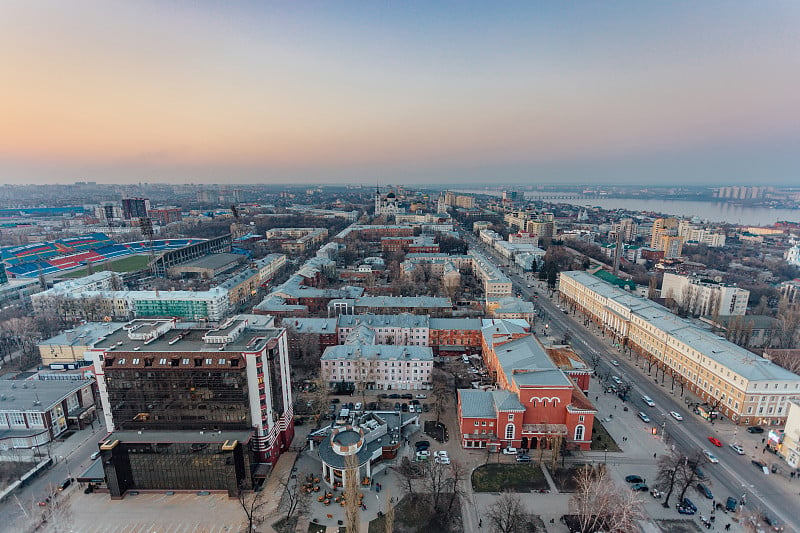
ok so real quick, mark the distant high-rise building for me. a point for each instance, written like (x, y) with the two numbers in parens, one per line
(662, 227)
(672, 245)
(135, 208)
(627, 228)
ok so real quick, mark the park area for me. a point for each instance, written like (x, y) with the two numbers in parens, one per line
(497, 477)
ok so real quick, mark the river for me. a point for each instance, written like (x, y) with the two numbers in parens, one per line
(711, 211)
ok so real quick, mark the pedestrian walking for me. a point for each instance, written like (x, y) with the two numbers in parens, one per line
(654, 456)
(480, 522)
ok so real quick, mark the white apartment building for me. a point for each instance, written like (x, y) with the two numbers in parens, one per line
(701, 297)
(792, 255)
(700, 235)
(378, 367)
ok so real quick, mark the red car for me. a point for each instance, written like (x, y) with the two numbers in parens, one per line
(715, 441)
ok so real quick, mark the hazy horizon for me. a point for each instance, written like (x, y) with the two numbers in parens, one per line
(462, 93)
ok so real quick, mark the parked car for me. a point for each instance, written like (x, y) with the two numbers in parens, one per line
(737, 448)
(699, 473)
(358, 406)
(421, 396)
(96, 454)
(711, 457)
(772, 522)
(755, 429)
(705, 491)
(633, 478)
(66, 483)
(644, 417)
(637, 487)
(690, 504)
(510, 451)
(677, 416)
(336, 400)
(731, 504)
(424, 452)
(648, 401)
(523, 458)
(685, 510)
(406, 396)
(396, 406)
(715, 441)
(616, 379)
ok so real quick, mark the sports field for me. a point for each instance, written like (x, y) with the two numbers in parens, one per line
(124, 264)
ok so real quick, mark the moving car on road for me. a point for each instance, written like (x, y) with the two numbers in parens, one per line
(711, 457)
(615, 362)
(644, 417)
(715, 441)
(677, 416)
(755, 429)
(648, 401)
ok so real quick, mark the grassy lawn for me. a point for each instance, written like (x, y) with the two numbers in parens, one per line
(125, 264)
(415, 513)
(497, 477)
(564, 478)
(601, 438)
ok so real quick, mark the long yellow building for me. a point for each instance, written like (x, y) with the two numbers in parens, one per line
(743, 387)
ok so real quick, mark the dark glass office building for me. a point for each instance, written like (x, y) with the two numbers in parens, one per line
(193, 409)
(176, 461)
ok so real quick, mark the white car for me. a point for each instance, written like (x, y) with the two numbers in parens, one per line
(676, 416)
(737, 448)
(510, 451)
(440, 453)
(442, 460)
(648, 401)
(711, 457)
(615, 362)
(616, 380)
(357, 406)
(420, 396)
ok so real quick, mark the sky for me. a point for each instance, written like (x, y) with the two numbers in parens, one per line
(417, 92)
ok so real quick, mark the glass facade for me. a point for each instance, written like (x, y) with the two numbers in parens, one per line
(177, 466)
(179, 399)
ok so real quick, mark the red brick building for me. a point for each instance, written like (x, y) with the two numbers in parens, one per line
(455, 335)
(536, 405)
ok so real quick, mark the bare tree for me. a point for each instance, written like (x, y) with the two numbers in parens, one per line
(506, 514)
(669, 474)
(687, 473)
(410, 473)
(294, 502)
(598, 502)
(787, 360)
(436, 482)
(252, 504)
(352, 511)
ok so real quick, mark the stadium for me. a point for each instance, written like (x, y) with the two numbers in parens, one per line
(64, 255)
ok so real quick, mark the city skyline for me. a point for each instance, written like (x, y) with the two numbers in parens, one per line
(415, 93)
